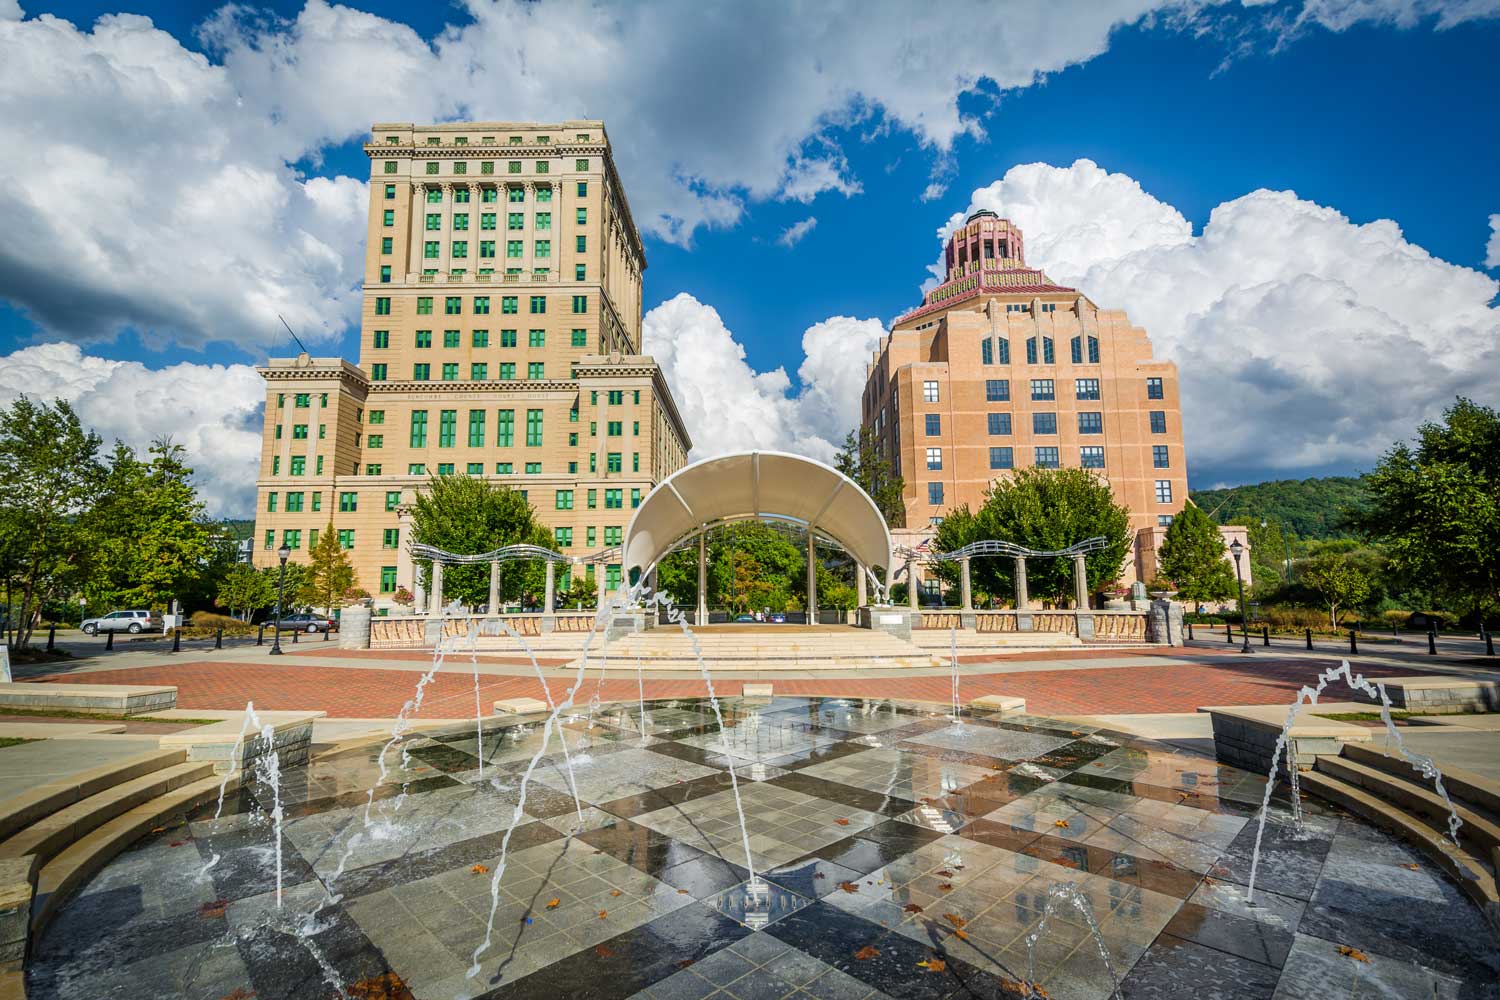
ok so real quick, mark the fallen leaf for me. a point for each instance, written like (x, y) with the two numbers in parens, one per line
(603, 914)
(912, 908)
(159, 829)
(1061, 824)
(956, 920)
(386, 986)
(946, 887)
(1412, 868)
(239, 993)
(479, 869)
(684, 963)
(842, 822)
(682, 892)
(848, 887)
(819, 875)
(177, 843)
(933, 965)
(866, 953)
(1219, 870)
(615, 892)
(553, 904)
(961, 935)
(943, 873)
(214, 909)
(604, 951)
(1353, 953)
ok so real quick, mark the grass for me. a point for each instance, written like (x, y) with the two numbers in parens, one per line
(1396, 716)
(59, 713)
(12, 741)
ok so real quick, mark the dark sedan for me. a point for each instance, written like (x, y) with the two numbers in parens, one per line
(309, 623)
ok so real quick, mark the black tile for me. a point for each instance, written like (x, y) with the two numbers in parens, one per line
(1074, 755)
(1173, 968)
(901, 837)
(812, 877)
(447, 759)
(640, 847)
(241, 870)
(671, 795)
(864, 854)
(1002, 835)
(1289, 863)
(283, 966)
(436, 860)
(844, 795)
(1239, 936)
(703, 876)
(816, 755)
(109, 930)
(353, 799)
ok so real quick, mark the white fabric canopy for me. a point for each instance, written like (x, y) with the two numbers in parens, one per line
(752, 484)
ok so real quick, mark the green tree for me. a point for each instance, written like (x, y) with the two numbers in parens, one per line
(52, 474)
(1338, 580)
(1435, 508)
(861, 461)
(467, 515)
(1192, 557)
(1047, 509)
(329, 572)
(245, 590)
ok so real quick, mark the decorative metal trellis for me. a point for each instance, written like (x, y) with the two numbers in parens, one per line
(995, 547)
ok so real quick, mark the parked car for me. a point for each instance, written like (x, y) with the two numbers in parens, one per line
(744, 618)
(778, 618)
(306, 622)
(134, 622)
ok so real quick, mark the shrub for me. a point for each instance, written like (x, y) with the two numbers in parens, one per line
(1290, 616)
(1395, 616)
(207, 619)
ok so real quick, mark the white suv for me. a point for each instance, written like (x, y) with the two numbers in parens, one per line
(122, 621)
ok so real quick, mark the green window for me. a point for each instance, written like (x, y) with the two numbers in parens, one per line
(450, 371)
(507, 370)
(434, 196)
(424, 305)
(635, 498)
(317, 501)
(538, 305)
(416, 469)
(487, 221)
(270, 538)
(423, 338)
(375, 441)
(612, 577)
(453, 305)
(572, 439)
(434, 221)
(615, 428)
(614, 499)
(450, 338)
(419, 428)
(476, 428)
(513, 248)
(583, 189)
(387, 579)
(513, 166)
(348, 503)
(447, 428)
(387, 245)
(431, 249)
(533, 428)
(593, 499)
(475, 469)
(580, 303)
(635, 461)
(582, 216)
(507, 338)
(581, 243)
(346, 538)
(392, 499)
(382, 338)
(593, 465)
(479, 371)
(372, 470)
(461, 221)
(390, 168)
(543, 194)
(533, 468)
(377, 373)
(461, 196)
(563, 537)
(391, 538)
(390, 190)
(445, 468)
(432, 167)
(536, 370)
(544, 248)
(580, 272)
(616, 397)
(612, 535)
(299, 465)
(481, 305)
(515, 220)
(271, 502)
(544, 220)
(564, 500)
(614, 463)
(635, 428)
(590, 542)
(536, 338)
(487, 249)
(278, 432)
(382, 306)
(503, 468)
(377, 416)
(388, 217)
(488, 195)
(292, 538)
(460, 249)
(542, 167)
(510, 304)
(421, 372)
(320, 465)
(505, 429)
(515, 195)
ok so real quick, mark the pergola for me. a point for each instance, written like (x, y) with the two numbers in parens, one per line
(509, 553)
(758, 485)
(995, 547)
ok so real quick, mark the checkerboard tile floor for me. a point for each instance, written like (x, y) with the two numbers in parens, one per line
(896, 854)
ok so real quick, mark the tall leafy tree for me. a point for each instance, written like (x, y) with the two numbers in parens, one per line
(467, 515)
(245, 590)
(1046, 509)
(329, 572)
(50, 466)
(861, 461)
(1192, 558)
(1435, 508)
(1338, 580)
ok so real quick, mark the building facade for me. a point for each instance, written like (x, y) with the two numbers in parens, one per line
(1001, 368)
(500, 337)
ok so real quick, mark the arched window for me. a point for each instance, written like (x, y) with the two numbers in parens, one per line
(1004, 351)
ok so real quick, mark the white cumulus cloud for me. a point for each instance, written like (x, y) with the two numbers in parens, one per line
(728, 406)
(213, 411)
(793, 234)
(1303, 339)
(1492, 249)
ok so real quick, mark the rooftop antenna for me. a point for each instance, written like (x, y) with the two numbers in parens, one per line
(294, 335)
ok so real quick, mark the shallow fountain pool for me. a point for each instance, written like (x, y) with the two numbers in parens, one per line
(900, 855)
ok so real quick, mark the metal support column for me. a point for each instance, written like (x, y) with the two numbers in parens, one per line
(1023, 597)
(965, 589)
(495, 587)
(1080, 582)
(702, 618)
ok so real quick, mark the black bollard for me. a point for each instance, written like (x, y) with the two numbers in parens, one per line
(1190, 629)
(1489, 644)
(109, 639)
(1432, 641)
(1229, 633)
(1265, 635)
(326, 631)
(219, 637)
(1353, 645)
(260, 637)
(1309, 639)
(51, 637)
(295, 632)
(176, 640)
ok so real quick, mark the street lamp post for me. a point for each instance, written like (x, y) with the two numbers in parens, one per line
(1238, 550)
(285, 552)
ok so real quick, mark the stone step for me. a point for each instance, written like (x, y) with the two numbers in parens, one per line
(1480, 792)
(51, 834)
(1474, 876)
(1414, 794)
(67, 872)
(20, 811)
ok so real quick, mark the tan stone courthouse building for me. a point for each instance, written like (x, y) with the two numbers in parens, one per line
(1001, 368)
(500, 337)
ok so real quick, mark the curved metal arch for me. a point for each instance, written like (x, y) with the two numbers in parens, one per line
(995, 547)
(507, 553)
(820, 536)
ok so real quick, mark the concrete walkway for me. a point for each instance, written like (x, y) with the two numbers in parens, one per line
(31, 764)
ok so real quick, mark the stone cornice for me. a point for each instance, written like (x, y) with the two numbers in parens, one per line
(497, 151)
(509, 386)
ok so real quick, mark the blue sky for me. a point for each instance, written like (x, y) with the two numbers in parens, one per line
(1365, 118)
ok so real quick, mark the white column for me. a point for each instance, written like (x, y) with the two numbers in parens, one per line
(1080, 582)
(861, 593)
(551, 588)
(964, 587)
(812, 577)
(495, 587)
(911, 584)
(1023, 598)
(702, 582)
(600, 581)
(437, 587)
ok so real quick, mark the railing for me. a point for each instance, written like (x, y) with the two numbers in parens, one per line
(1118, 625)
(992, 621)
(406, 632)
